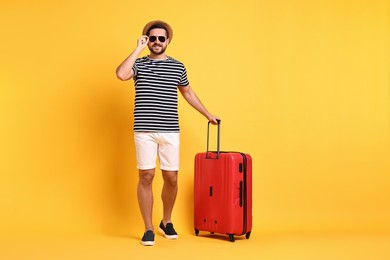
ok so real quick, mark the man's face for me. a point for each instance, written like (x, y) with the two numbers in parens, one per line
(158, 41)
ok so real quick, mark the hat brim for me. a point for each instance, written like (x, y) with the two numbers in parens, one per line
(165, 25)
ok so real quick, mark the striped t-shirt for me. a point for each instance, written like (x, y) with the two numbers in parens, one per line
(156, 83)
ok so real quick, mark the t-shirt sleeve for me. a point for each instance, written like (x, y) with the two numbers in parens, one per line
(183, 80)
(135, 69)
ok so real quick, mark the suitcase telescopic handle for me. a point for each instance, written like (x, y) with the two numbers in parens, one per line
(218, 138)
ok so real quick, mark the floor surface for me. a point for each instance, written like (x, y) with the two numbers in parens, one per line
(188, 246)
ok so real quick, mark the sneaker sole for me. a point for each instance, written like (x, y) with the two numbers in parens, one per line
(147, 243)
(167, 236)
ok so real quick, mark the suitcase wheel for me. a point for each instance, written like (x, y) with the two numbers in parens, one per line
(196, 232)
(247, 235)
(231, 237)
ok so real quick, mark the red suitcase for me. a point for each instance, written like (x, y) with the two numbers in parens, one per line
(223, 192)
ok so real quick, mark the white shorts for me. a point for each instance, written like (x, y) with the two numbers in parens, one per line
(149, 145)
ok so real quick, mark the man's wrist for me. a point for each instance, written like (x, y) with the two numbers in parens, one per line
(139, 49)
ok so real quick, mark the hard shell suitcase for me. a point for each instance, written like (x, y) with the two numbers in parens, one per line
(223, 192)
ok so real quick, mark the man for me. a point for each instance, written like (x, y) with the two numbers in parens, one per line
(156, 128)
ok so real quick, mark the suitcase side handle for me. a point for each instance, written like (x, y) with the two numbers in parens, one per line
(218, 139)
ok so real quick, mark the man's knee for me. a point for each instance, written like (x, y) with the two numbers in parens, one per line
(170, 178)
(146, 177)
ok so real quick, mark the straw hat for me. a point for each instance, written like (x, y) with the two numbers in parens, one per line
(163, 24)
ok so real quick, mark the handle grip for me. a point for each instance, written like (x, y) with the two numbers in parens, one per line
(218, 138)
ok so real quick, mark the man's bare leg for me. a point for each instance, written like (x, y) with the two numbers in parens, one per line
(168, 196)
(145, 196)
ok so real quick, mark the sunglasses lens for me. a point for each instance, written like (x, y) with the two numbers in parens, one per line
(154, 38)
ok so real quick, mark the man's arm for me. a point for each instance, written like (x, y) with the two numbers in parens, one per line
(125, 69)
(190, 96)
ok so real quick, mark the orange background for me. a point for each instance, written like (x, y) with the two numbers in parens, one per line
(303, 86)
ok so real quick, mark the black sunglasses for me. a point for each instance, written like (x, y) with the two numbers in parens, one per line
(154, 38)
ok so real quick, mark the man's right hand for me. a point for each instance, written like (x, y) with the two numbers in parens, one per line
(142, 42)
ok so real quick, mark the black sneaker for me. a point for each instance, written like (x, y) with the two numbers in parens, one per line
(148, 238)
(168, 231)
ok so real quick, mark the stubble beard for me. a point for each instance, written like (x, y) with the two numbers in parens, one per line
(162, 50)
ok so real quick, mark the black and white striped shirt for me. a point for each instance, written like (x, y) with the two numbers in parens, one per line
(156, 83)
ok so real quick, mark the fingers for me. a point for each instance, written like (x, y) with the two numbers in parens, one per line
(144, 39)
(215, 120)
